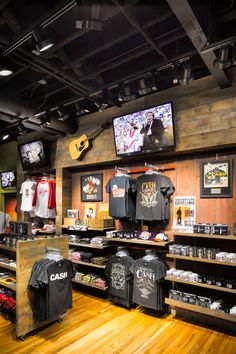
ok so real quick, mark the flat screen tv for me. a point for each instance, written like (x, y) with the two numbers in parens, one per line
(146, 131)
(8, 179)
(33, 155)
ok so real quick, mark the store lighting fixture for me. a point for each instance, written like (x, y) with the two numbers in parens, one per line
(41, 45)
(176, 75)
(103, 103)
(5, 71)
(154, 84)
(186, 78)
(5, 136)
(223, 61)
(144, 89)
(92, 23)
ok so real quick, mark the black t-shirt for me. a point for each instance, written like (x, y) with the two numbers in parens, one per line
(58, 279)
(146, 276)
(118, 273)
(121, 203)
(153, 192)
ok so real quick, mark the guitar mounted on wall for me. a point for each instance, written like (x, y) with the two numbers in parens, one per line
(80, 146)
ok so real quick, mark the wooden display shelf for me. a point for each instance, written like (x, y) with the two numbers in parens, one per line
(88, 245)
(89, 264)
(3, 265)
(203, 260)
(202, 285)
(2, 283)
(140, 242)
(220, 237)
(4, 247)
(88, 229)
(202, 310)
(90, 285)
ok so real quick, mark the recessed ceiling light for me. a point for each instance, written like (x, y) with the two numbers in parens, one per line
(4, 71)
(5, 137)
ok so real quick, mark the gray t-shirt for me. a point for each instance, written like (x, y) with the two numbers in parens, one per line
(146, 276)
(120, 189)
(153, 193)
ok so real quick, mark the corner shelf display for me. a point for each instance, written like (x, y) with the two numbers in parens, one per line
(96, 250)
(205, 266)
(27, 253)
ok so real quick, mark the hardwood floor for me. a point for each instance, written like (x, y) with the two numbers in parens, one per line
(96, 326)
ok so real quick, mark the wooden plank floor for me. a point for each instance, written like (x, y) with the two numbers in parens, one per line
(96, 326)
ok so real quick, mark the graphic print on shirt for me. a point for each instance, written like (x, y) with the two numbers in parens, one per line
(43, 191)
(149, 194)
(27, 194)
(118, 276)
(145, 281)
(117, 192)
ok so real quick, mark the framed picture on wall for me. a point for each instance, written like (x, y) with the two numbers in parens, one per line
(90, 211)
(216, 179)
(91, 187)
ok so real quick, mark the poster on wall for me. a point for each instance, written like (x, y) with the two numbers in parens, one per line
(89, 211)
(91, 188)
(184, 214)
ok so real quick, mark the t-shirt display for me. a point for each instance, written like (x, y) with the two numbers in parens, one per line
(148, 290)
(27, 192)
(121, 189)
(44, 199)
(120, 279)
(51, 283)
(153, 193)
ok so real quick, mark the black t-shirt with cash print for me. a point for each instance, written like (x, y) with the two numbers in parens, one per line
(145, 287)
(153, 192)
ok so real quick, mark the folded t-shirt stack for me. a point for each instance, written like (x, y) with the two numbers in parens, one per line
(86, 257)
(85, 240)
(75, 256)
(100, 283)
(98, 241)
(99, 260)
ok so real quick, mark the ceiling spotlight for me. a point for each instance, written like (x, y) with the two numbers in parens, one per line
(144, 90)
(176, 75)
(41, 45)
(223, 61)
(5, 136)
(103, 103)
(5, 71)
(154, 84)
(186, 78)
(93, 22)
(21, 128)
(128, 96)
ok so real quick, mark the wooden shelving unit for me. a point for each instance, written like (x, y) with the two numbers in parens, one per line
(219, 237)
(3, 265)
(88, 229)
(139, 242)
(202, 285)
(89, 264)
(202, 310)
(4, 247)
(90, 285)
(88, 245)
(203, 260)
(2, 283)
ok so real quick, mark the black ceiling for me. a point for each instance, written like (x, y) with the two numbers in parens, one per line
(138, 38)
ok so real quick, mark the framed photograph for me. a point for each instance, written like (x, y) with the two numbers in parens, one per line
(216, 179)
(72, 213)
(91, 188)
(89, 211)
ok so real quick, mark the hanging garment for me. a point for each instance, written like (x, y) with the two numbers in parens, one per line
(44, 199)
(27, 192)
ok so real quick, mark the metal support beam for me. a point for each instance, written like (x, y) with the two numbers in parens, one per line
(188, 20)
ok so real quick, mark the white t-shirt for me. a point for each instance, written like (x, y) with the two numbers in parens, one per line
(4, 221)
(27, 191)
(41, 207)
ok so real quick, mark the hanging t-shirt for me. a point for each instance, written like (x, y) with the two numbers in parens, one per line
(153, 190)
(4, 221)
(27, 192)
(45, 199)
(146, 291)
(121, 199)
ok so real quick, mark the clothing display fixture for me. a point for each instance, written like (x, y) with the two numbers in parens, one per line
(27, 192)
(120, 279)
(44, 199)
(153, 193)
(121, 189)
(52, 286)
(148, 287)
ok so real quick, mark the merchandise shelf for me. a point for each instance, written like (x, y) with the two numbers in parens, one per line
(90, 285)
(202, 285)
(89, 264)
(4, 247)
(3, 265)
(203, 260)
(220, 237)
(2, 283)
(140, 242)
(88, 245)
(202, 310)
(89, 228)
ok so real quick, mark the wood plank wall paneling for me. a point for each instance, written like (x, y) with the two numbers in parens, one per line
(186, 179)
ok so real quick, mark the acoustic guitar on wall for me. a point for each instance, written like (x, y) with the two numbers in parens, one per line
(80, 146)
